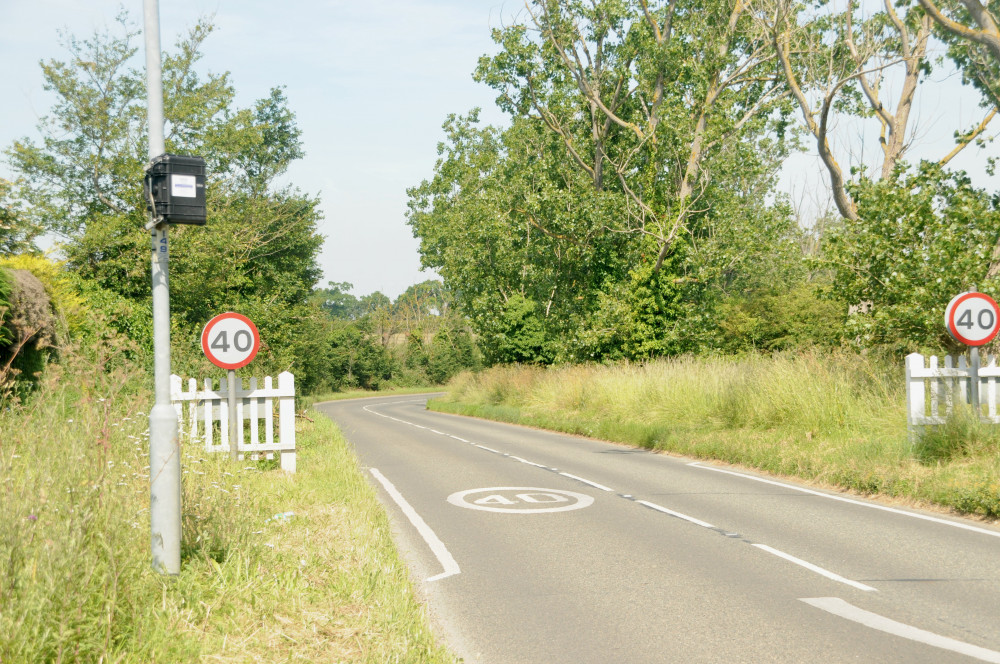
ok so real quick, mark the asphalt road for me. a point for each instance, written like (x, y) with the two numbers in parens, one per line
(542, 548)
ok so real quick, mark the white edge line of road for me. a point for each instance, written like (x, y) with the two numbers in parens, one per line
(874, 506)
(815, 568)
(842, 609)
(436, 545)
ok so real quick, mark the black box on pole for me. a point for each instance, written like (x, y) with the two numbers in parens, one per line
(175, 184)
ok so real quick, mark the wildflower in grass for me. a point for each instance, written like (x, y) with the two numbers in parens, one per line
(32, 517)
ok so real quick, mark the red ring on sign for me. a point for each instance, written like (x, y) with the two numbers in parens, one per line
(216, 361)
(953, 329)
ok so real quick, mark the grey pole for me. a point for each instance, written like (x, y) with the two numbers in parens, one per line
(233, 427)
(974, 374)
(974, 381)
(164, 446)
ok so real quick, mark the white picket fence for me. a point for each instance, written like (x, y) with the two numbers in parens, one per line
(254, 406)
(932, 390)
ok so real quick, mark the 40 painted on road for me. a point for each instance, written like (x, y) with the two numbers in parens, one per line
(520, 500)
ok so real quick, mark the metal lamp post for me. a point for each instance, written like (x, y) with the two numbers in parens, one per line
(164, 445)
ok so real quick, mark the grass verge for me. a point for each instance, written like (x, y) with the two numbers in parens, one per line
(275, 567)
(837, 420)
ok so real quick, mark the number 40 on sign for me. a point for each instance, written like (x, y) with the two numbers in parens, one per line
(230, 341)
(972, 319)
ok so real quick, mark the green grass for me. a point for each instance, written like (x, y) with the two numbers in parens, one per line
(834, 419)
(75, 578)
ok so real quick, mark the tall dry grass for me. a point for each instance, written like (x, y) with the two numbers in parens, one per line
(836, 418)
(323, 582)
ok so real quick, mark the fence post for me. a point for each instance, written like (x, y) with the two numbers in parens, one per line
(176, 385)
(254, 413)
(286, 417)
(965, 382)
(268, 412)
(209, 416)
(915, 398)
(192, 416)
(991, 388)
(240, 415)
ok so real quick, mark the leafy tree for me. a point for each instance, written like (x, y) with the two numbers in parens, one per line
(356, 358)
(645, 98)
(337, 302)
(642, 139)
(836, 62)
(452, 351)
(415, 355)
(516, 335)
(922, 238)
(377, 308)
(505, 216)
(16, 233)
(257, 254)
(971, 29)
(421, 304)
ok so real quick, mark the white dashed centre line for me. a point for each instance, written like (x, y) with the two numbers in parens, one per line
(593, 484)
(685, 517)
(815, 568)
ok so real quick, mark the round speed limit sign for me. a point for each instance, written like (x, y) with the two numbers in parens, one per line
(972, 319)
(230, 340)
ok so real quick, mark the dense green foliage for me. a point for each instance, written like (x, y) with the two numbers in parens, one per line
(16, 234)
(626, 208)
(543, 267)
(923, 237)
(629, 208)
(419, 339)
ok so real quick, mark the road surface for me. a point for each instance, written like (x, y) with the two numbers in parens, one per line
(541, 548)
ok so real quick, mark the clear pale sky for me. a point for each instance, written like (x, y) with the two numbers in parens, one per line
(371, 84)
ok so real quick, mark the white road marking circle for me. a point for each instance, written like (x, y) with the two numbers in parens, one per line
(520, 500)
